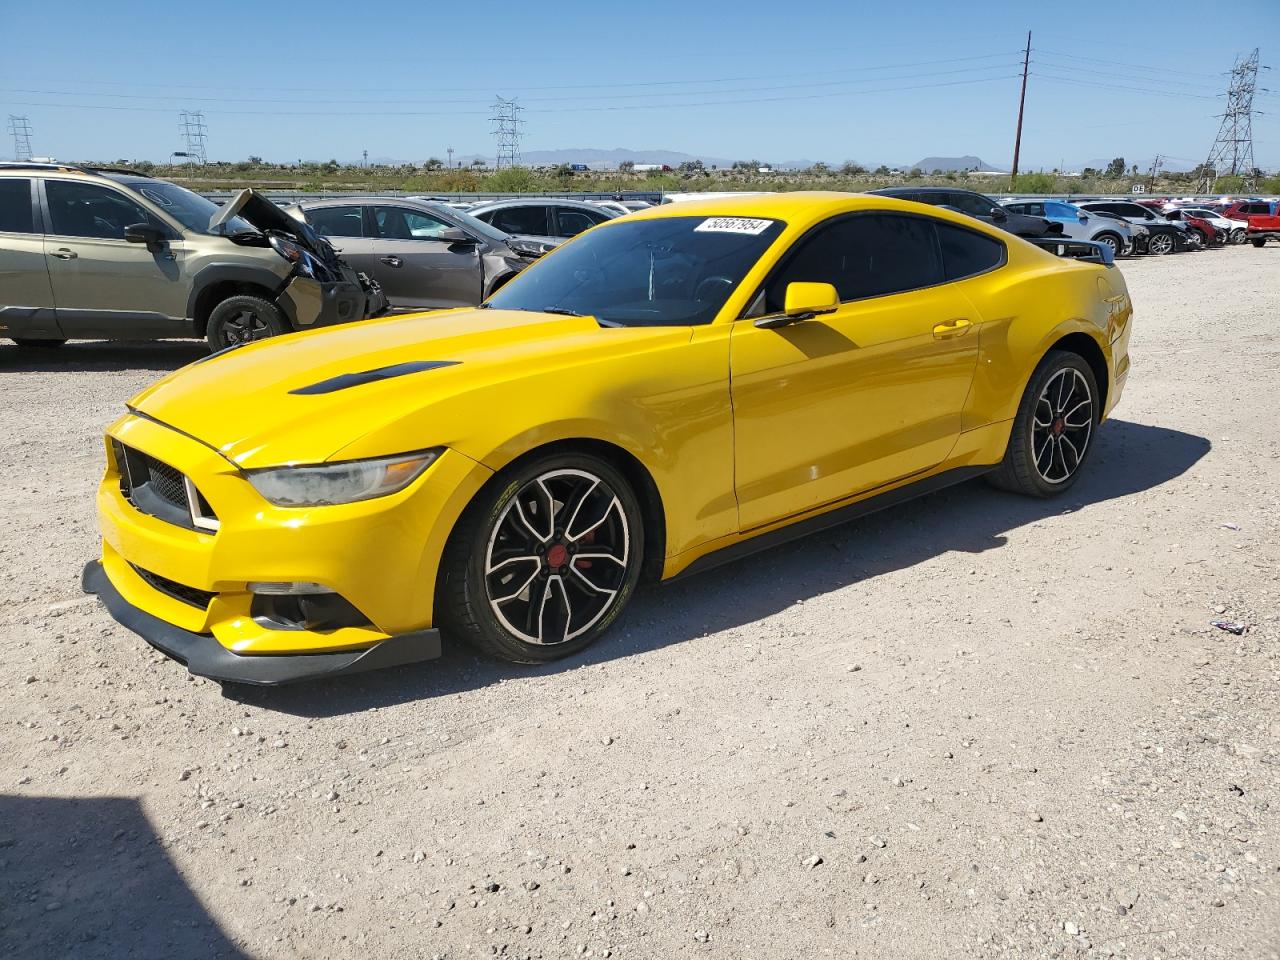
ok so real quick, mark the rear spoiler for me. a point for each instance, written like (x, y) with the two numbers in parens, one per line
(1086, 250)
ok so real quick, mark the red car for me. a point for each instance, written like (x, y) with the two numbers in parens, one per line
(1209, 235)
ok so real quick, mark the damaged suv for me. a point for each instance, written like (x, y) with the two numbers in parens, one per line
(96, 253)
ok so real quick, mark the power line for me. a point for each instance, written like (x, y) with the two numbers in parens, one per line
(876, 69)
(582, 109)
(1235, 134)
(20, 127)
(506, 120)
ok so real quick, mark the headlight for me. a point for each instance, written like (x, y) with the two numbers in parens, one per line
(530, 248)
(295, 254)
(1139, 230)
(331, 483)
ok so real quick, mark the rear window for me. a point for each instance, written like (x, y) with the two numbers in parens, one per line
(15, 207)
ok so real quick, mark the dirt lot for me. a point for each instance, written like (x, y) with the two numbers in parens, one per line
(973, 726)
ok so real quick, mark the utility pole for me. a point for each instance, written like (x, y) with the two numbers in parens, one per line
(1022, 102)
(365, 157)
(449, 151)
(1151, 177)
(1233, 147)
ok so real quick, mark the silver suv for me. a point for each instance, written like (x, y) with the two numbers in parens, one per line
(94, 253)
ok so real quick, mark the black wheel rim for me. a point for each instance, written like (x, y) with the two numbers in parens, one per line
(1062, 426)
(557, 557)
(244, 326)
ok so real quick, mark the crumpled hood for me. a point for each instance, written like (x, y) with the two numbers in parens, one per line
(303, 398)
(253, 207)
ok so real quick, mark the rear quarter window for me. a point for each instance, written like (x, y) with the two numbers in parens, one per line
(966, 253)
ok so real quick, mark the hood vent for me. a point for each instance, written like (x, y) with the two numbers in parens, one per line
(346, 380)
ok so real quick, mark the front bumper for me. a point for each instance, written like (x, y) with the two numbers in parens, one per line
(204, 656)
(309, 303)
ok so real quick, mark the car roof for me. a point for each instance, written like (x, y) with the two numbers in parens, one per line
(802, 207)
(532, 202)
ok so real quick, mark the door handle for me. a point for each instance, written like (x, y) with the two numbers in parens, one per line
(64, 253)
(952, 328)
(392, 261)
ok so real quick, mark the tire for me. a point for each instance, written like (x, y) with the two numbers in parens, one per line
(519, 591)
(38, 344)
(1060, 374)
(1237, 235)
(243, 319)
(1112, 240)
(1160, 244)
(1259, 241)
(1203, 241)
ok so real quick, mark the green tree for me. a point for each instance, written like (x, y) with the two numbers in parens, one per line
(434, 163)
(1228, 185)
(851, 169)
(1034, 183)
(1115, 169)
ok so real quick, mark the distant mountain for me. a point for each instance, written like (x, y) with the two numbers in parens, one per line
(948, 164)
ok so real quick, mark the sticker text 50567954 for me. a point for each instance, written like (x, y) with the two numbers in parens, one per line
(747, 225)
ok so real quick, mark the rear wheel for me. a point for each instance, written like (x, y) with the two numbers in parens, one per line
(544, 561)
(1053, 430)
(243, 319)
(38, 344)
(1259, 241)
(1160, 244)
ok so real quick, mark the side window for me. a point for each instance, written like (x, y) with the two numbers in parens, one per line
(337, 221)
(90, 210)
(965, 253)
(1033, 209)
(971, 203)
(401, 223)
(867, 255)
(1059, 210)
(15, 207)
(1017, 207)
(531, 220)
(571, 222)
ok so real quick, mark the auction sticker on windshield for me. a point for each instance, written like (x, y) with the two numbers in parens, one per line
(733, 225)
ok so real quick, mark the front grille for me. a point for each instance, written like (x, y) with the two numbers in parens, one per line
(167, 483)
(189, 595)
(157, 489)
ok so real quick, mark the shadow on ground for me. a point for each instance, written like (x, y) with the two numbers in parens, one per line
(970, 518)
(96, 355)
(87, 878)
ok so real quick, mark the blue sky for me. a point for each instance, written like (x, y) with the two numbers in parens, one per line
(883, 82)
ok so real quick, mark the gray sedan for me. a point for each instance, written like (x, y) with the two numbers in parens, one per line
(424, 254)
(1078, 224)
(548, 219)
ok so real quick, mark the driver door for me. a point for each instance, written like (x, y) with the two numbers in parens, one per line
(415, 268)
(843, 403)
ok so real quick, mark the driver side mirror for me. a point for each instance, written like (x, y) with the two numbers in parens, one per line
(803, 302)
(454, 235)
(999, 215)
(146, 233)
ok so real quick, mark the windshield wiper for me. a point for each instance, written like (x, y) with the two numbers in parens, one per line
(563, 312)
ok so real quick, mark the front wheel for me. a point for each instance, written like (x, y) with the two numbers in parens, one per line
(1113, 241)
(1054, 427)
(1237, 235)
(544, 560)
(243, 319)
(1160, 244)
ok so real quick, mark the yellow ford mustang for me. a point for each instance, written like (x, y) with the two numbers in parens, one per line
(667, 391)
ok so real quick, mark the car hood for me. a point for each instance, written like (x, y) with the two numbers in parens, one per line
(359, 390)
(252, 206)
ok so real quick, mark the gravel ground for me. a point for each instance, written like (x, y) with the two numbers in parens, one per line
(972, 726)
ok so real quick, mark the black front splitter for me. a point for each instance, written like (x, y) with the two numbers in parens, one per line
(204, 656)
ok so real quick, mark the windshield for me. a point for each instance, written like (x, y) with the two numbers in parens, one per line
(672, 271)
(189, 209)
